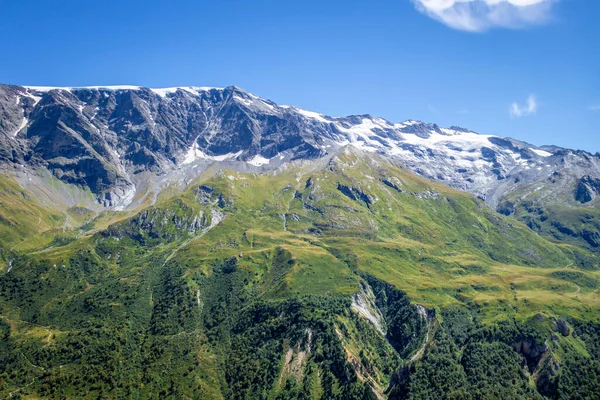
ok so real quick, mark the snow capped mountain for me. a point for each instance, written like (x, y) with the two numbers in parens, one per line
(112, 139)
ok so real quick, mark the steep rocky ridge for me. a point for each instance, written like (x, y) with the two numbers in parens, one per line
(125, 144)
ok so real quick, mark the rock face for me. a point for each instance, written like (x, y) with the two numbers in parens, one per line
(547, 377)
(356, 194)
(587, 189)
(109, 139)
(562, 327)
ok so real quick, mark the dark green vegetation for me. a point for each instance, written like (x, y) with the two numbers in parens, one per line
(340, 279)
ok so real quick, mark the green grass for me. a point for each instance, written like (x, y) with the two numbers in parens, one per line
(22, 216)
(561, 220)
(146, 289)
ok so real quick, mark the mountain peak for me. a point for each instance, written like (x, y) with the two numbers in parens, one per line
(105, 139)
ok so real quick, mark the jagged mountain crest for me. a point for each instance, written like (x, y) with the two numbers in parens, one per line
(127, 142)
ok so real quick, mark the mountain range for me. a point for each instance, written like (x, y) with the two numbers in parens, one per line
(125, 143)
(198, 242)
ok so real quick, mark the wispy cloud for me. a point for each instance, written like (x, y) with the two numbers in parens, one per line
(594, 107)
(481, 15)
(462, 111)
(516, 110)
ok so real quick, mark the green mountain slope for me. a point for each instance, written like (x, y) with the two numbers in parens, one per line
(341, 278)
(24, 218)
(569, 216)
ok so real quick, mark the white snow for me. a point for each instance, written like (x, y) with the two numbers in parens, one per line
(224, 157)
(311, 114)
(42, 88)
(517, 158)
(258, 160)
(541, 153)
(461, 146)
(408, 123)
(162, 92)
(263, 102)
(245, 102)
(95, 113)
(116, 87)
(257, 103)
(36, 99)
(194, 153)
(359, 135)
(45, 89)
(438, 154)
(466, 139)
(451, 132)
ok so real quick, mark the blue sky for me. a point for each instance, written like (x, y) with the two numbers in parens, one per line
(529, 69)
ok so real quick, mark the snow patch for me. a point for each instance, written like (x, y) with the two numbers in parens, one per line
(224, 157)
(194, 153)
(195, 90)
(45, 89)
(160, 91)
(311, 115)
(541, 153)
(255, 102)
(469, 139)
(36, 99)
(258, 160)
(95, 113)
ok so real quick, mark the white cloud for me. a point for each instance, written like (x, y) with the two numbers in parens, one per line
(595, 107)
(517, 111)
(480, 15)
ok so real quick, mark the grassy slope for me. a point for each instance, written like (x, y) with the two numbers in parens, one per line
(147, 296)
(563, 219)
(23, 217)
(439, 245)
